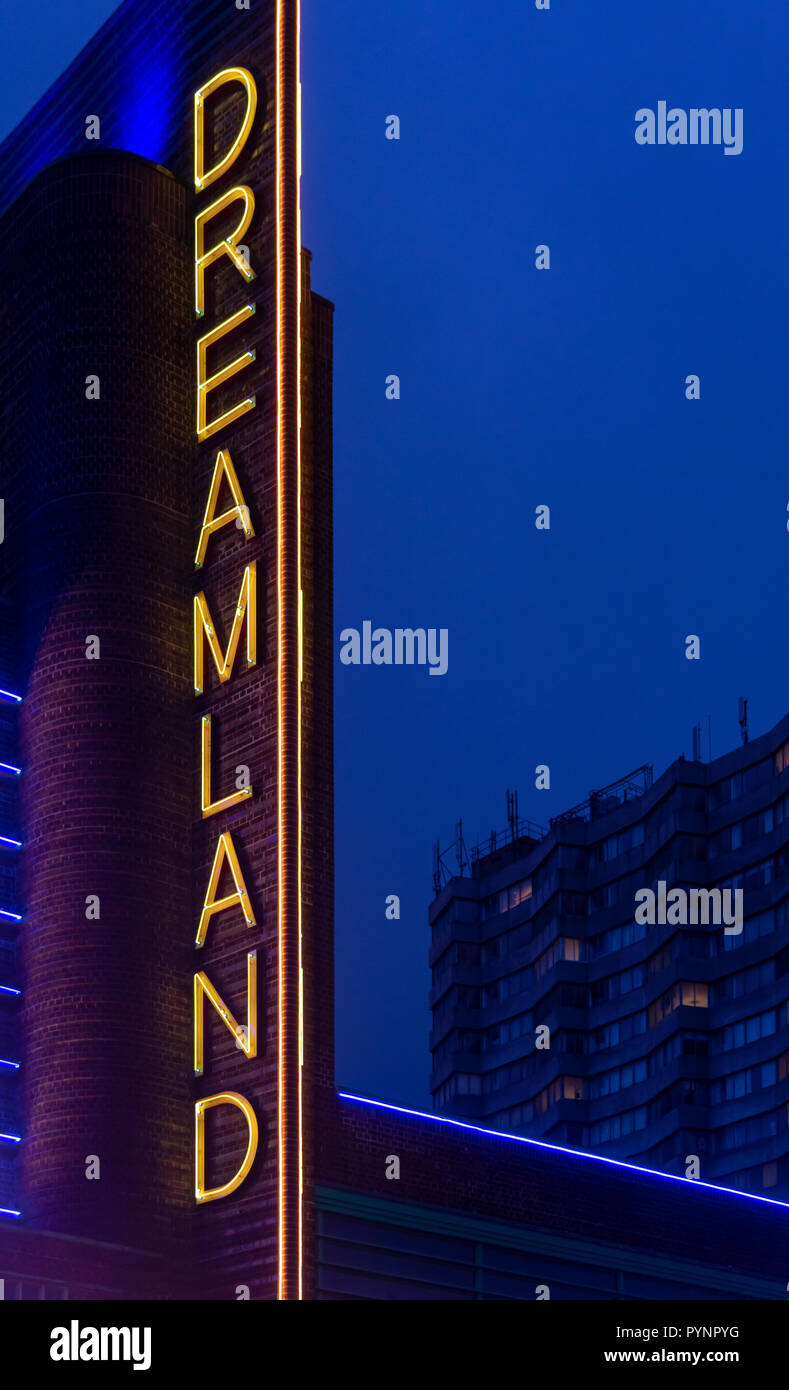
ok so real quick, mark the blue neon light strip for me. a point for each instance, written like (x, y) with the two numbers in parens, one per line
(9, 695)
(12, 1138)
(4, 840)
(6, 1211)
(12, 916)
(7, 989)
(9, 767)
(4, 1063)
(558, 1148)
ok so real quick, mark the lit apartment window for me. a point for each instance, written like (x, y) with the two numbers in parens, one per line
(782, 757)
(685, 993)
(563, 1088)
(512, 896)
(566, 948)
(695, 995)
(567, 1088)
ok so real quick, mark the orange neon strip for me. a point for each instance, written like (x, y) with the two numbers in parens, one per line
(280, 980)
(300, 639)
(286, 1196)
(288, 603)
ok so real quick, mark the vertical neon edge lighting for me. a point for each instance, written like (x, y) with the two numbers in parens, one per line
(290, 1184)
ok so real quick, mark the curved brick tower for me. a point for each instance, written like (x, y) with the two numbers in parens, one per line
(141, 376)
(97, 520)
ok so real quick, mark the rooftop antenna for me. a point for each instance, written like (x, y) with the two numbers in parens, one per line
(697, 743)
(461, 848)
(512, 813)
(437, 868)
(744, 718)
(709, 737)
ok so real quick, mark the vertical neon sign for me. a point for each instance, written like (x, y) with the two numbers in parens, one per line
(290, 1001)
(245, 614)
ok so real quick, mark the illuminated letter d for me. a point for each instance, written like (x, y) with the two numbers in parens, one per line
(211, 1194)
(202, 178)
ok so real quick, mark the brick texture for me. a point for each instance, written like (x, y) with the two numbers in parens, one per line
(99, 546)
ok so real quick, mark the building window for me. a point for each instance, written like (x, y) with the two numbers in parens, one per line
(516, 894)
(730, 789)
(770, 1175)
(563, 1088)
(573, 1087)
(697, 996)
(782, 757)
(661, 958)
(566, 948)
(686, 993)
(468, 1085)
(758, 1026)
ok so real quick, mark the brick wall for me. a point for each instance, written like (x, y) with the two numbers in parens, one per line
(467, 1172)
(98, 523)
(37, 1264)
(318, 731)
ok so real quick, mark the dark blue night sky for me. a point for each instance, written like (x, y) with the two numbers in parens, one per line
(523, 387)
